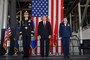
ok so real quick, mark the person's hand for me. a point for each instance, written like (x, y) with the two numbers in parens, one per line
(20, 36)
(20, 33)
(39, 37)
(60, 38)
(49, 36)
(70, 37)
(31, 35)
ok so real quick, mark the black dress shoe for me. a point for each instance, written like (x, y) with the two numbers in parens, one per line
(42, 56)
(46, 55)
(25, 56)
(69, 58)
(65, 58)
(11, 54)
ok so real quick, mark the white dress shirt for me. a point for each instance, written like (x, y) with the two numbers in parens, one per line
(65, 23)
(44, 22)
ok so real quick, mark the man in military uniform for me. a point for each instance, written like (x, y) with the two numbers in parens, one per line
(65, 33)
(27, 31)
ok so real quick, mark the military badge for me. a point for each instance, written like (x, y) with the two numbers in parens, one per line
(68, 24)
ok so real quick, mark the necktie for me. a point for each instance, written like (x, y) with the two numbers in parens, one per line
(44, 23)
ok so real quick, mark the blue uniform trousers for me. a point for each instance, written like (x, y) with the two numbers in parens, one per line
(65, 43)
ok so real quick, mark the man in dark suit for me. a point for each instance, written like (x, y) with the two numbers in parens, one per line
(44, 31)
(65, 34)
(27, 31)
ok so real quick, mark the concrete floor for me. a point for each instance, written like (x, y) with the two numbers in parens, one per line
(85, 57)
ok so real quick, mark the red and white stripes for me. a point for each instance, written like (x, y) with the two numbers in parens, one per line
(56, 12)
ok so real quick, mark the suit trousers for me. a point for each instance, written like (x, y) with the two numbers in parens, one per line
(44, 47)
(65, 43)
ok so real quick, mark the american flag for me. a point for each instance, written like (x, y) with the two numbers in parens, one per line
(54, 9)
(6, 37)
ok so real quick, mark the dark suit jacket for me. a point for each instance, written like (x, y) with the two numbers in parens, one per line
(65, 31)
(44, 31)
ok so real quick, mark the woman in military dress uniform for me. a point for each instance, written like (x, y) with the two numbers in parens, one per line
(26, 31)
(65, 33)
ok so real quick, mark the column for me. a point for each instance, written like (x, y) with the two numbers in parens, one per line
(80, 25)
(13, 25)
(4, 5)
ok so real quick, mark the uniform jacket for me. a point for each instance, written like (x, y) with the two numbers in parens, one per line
(65, 31)
(27, 27)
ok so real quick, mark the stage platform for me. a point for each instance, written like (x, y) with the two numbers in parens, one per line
(85, 57)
